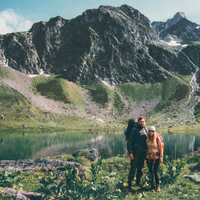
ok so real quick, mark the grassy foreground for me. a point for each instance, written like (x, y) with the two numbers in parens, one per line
(107, 179)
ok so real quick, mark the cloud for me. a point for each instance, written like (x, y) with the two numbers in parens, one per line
(10, 22)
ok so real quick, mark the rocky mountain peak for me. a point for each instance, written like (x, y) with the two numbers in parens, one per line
(106, 43)
(179, 15)
(58, 21)
(122, 14)
(175, 19)
(178, 26)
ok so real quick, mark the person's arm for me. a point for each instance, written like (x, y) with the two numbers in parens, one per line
(161, 147)
(129, 145)
(130, 142)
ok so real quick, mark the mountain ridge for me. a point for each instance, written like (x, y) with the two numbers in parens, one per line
(113, 46)
(179, 26)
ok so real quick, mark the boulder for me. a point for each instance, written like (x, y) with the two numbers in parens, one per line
(89, 153)
(20, 195)
(194, 177)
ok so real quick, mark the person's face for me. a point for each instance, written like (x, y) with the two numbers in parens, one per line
(142, 123)
(151, 133)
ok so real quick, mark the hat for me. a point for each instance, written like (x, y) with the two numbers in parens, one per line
(152, 128)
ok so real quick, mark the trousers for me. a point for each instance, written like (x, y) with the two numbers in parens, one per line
(136, 167)
(153, 166)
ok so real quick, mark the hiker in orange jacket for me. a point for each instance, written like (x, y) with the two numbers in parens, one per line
(155, 149)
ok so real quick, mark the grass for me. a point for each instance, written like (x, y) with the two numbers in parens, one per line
(173, 90)
(112, 173)
(118, 102)
(186, 129)
(139, 92)
(4, 72)
(99, 93)
(58, 89)
(19, 114)
(197, 111)
(18, 110)
(44, 124)
(15, 106)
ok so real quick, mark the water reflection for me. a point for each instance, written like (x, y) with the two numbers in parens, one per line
(24, 146)
(175, 145)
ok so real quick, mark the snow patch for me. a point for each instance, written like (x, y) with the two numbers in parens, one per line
(172, 43)
(41, 73)
(107, 84)
(184, 45)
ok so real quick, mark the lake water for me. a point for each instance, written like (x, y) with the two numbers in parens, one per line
(14, 146)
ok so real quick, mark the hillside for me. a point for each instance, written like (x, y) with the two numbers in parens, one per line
(55, 100)
(121, 69)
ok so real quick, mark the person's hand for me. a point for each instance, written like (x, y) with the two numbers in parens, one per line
(131, 156)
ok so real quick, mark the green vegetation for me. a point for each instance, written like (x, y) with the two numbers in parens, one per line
(58, 89)
(118, 103)
(173, 90)
(197, 111)
(19, 111)
(139, 92)
(18, 114)
(3, 72)
(100, 93)
(14, 106)
(107, 179)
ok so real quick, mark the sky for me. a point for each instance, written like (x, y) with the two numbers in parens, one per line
(19, 15)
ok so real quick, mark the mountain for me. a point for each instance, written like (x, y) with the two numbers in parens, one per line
(179, 27)
(108, 43)
(107, 61)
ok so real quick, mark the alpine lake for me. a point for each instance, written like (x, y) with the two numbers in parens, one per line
(18, 146)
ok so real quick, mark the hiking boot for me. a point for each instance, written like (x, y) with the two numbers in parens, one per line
(129, 194)
(152, 188)
(157, 189)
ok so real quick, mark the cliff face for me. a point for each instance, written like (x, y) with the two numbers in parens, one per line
(108, 43)
(180, 27)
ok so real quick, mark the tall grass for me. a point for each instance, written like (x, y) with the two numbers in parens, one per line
(58, 89)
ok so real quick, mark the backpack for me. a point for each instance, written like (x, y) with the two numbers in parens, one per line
(128, 130)
(159, 140)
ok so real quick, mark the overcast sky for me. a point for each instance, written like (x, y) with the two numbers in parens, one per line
(18, 15)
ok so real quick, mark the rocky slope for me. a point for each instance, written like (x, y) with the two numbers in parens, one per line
(179, 28)
(113, 46)
(108, 43)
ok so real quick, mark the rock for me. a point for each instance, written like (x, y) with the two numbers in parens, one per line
(165, 57)
(2, 116)
(179, 26)
(90, 153)
(194, 177)
(114, 47)
(20, 195)
(193, 53)
(31, 165)
(119, 46)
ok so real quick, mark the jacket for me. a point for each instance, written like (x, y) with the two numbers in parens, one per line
(136, 142)
(155, 147)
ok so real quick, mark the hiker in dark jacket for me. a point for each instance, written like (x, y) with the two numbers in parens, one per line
(137, 150)
(131, 125)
